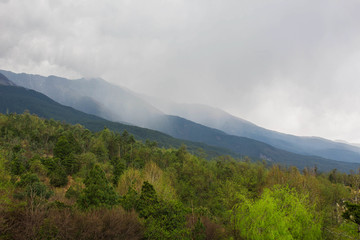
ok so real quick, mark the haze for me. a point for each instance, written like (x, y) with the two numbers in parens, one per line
(290, 66)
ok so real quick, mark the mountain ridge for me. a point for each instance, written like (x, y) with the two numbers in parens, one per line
(19, 99)
(152, 118)
(5, 81)
(14, 99)
(219, 119)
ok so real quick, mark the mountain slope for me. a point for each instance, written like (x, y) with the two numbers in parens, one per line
(96, 96)
(93, 96)
(18, 99)
(232, 125)
(5, 81)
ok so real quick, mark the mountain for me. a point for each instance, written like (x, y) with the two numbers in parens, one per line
(19, 99)
(216, 118)
(5, 81)
(93, 96)
(15, 99)
(98, 97)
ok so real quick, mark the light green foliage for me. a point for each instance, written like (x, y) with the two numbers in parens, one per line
(37, 167)
(86, 161)
(280, 213)
(34, 151)
(99, 148)
(348, 230)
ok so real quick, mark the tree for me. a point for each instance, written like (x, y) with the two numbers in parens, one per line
(31, 186)
(98, 191)
(58, 177)
(62, 148)
(352, 213)
(280, 213)
(119, 168)
(163, 220)
(129, 200)
(6, 187)
(64, 151)
(148, 201)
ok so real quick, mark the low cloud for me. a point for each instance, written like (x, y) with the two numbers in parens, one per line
(287, 65)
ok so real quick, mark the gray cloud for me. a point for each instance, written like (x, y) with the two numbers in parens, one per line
(287, 65)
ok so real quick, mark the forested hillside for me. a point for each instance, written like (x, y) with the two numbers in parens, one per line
(197, 123)
(60, 181)
(216, 118)
(214, 142)
(18, 100)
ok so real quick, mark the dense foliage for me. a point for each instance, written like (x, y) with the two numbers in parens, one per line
(17, 100)
(60, 181)
(213, 142)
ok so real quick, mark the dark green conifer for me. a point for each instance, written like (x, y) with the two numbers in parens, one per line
(98, 191)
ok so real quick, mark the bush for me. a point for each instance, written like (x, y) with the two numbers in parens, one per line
(58, 177)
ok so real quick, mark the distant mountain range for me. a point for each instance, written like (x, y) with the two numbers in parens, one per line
(100, 98)
(14, 99)
(216, 118)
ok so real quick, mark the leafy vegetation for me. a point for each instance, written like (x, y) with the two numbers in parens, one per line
(195, 136)
(61, 181)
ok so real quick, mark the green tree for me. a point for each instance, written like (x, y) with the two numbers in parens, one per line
(58, 176)
(31, 186)
(148, 201)
(163, 220)
(119, 167)
(98, 191)
(129, 200)
(17, 164)
(352, 213)
(6, 187)
(64, 151)
(280, 213)
(62, 148)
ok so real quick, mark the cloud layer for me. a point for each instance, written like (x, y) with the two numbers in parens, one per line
(292, 66)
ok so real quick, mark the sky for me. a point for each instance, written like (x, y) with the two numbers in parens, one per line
(291, 66)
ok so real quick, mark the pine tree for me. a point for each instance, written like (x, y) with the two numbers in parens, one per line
(98, 191)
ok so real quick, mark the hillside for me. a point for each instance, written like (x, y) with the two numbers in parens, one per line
(216, 118)
(93, 96)
(98, 97)
(18, 99)
(5, 81)
(61, 181)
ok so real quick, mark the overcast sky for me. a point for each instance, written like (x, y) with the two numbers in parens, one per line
(291, 66)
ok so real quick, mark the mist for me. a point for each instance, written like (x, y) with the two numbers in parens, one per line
(290, 66)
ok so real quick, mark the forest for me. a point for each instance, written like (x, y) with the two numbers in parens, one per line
(62, 181)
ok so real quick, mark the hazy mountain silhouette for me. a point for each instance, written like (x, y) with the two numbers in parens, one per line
(5, 81)
(96, 96)
(15, 99)
(219, 119)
